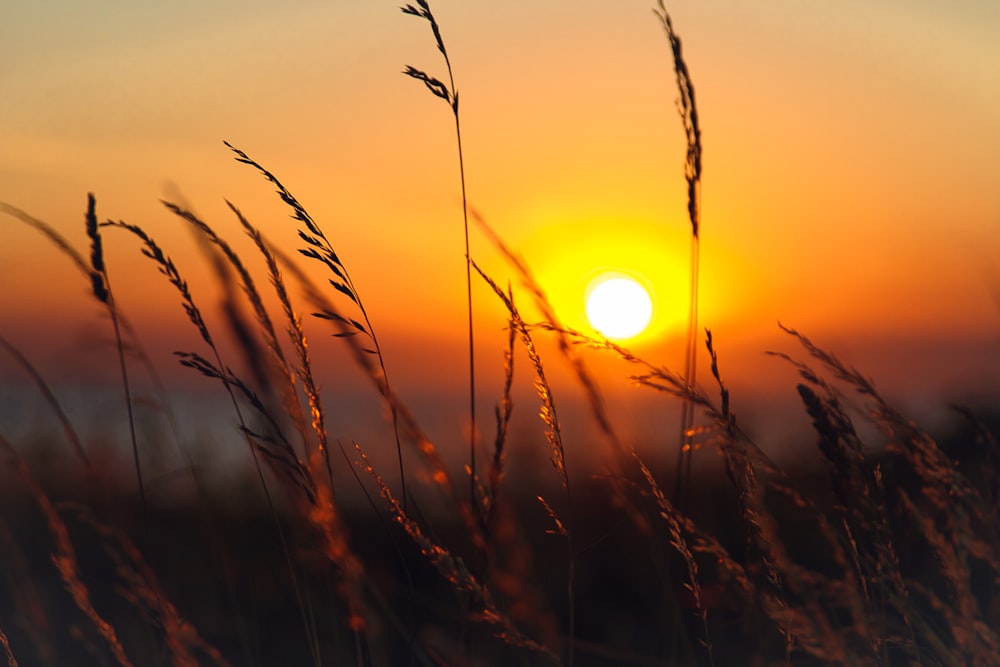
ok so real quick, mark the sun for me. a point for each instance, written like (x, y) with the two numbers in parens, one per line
(618, 306)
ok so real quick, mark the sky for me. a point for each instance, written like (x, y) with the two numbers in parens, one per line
(850, 159)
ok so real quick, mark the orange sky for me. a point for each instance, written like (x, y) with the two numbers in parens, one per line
(849, 185)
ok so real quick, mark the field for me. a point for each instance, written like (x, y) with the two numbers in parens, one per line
(275, 539)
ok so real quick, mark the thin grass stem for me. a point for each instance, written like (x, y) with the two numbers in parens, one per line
(692, 174)
(450, 94)
(101, 285)
(67, 426)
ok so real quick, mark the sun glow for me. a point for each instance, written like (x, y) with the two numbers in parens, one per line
(618, 306)
(570, 259)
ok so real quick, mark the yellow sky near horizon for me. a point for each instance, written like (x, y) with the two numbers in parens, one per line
(851, 156)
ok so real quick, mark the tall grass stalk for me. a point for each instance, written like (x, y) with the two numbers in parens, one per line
(503, 412)
(101, 287)
(334, 529)
(296, 333)
(692, 174)
(133, 345)
(449, 94)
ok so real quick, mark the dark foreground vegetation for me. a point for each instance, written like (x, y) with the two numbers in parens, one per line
(877, 560)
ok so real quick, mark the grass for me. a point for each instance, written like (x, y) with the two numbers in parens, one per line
(688, 110)
(449, 94)
(888, 556)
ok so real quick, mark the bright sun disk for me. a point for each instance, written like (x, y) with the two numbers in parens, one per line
(618, 306)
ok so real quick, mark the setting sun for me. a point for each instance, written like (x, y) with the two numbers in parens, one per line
(618, 306)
